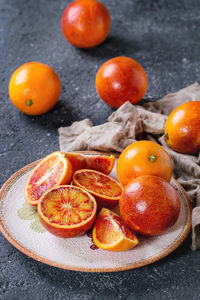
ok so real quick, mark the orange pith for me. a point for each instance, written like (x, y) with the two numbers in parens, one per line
(106, 190)
(101, 163)
(51, 171)
(67, 211)
(111, 233)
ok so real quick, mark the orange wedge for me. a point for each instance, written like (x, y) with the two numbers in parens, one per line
(67, 211)
(101, 163)
(53, 170)
(105, 189)
(111, 233)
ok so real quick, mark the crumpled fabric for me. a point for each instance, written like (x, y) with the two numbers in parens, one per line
(130, 123)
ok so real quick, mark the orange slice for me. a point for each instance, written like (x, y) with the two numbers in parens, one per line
(101, 163)
(67, 211)
(106, 190)
(51, 171)
(111, 233)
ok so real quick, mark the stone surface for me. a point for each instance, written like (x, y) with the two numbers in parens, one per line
(164, 37)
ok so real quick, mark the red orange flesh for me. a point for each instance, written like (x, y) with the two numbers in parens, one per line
(51, 171)
(101, 163)
(111, 233)
(105, 189)
(67, 211)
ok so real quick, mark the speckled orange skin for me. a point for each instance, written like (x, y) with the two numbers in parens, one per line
(149, 205)
(183, 128)
(36, 82)
(85, 23)
(121, 79)
(134, 161)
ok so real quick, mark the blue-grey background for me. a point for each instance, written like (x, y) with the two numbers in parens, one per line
(164, 36)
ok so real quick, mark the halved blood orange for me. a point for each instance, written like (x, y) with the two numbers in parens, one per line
(105, 189)
(53, 170)
(67, 211)
(101, 163)
(111, 233)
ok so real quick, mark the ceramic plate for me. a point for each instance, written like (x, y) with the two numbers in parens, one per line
(20, 225)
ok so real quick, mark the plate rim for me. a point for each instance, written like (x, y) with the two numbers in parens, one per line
(39, 258)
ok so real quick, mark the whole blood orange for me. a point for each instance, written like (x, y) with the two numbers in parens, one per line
(85, 23)
(121, 79)
(51, 171)
(67, 211)
(34, 88)
(149, 205)
(182, 129)
(105, 189)
(101, 163)
(143, 158)
(111, 233)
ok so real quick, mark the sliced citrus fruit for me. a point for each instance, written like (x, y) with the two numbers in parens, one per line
(105, 189)
(67, 211)
(101, 163)
(111, 233)
(51, 171)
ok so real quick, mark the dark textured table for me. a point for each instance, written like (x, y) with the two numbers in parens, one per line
(164, 37)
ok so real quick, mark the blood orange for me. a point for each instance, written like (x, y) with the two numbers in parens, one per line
(51, 171)
(101, 163)
(67, 211)
(143, 158)
(182, 128)
(111, 233)
(149, 205)
(105, 189)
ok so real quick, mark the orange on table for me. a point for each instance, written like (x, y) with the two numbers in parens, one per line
(111, 233)
(67, 211)
(143, 158)
(182, 129)
(53, 170)
(85, 23)
(34, 88)
(105, 189)
(101, 163)
(121, 79)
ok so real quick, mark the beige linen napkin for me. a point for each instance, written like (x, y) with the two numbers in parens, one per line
(130, 123)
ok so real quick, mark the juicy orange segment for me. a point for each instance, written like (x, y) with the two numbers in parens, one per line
(105, 189)
(111, 233)
(101, 163)
(67, 211)
(51, 171)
